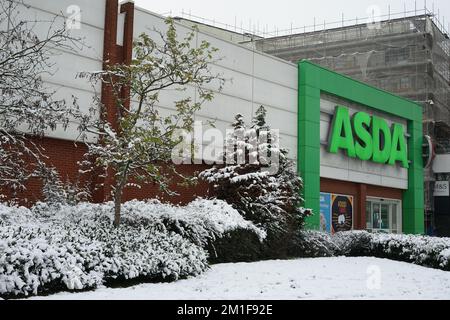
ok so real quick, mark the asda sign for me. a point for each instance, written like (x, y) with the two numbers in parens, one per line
(368, 138)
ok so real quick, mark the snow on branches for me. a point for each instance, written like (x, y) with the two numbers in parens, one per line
(27, 107)
(137, 145)
(271, 198)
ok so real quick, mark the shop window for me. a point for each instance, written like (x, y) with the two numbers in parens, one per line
(383, 216)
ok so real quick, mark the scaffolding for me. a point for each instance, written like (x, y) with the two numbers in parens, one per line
(406, 56)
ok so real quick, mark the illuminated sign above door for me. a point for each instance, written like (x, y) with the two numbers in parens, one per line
(368, 138)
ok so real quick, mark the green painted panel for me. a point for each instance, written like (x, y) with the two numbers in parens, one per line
(308, 134)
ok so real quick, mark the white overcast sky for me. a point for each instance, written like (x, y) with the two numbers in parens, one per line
(281, 13)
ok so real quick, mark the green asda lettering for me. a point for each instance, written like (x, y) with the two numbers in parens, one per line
(368, 138)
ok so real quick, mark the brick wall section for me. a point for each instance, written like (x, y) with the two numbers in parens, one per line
(128, 32)
(63, 155)
(186, 194)
(112, 54)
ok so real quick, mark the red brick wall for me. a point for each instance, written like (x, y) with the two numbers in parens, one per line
(186, 194)
(63, 155)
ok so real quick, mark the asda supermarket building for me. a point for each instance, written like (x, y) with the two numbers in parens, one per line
(360, 154)
(359, 149)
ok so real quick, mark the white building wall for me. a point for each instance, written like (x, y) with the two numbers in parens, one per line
(441, 163)
(253, 79)
(68, 63)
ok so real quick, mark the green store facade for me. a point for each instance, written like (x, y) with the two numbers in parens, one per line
(360, 155)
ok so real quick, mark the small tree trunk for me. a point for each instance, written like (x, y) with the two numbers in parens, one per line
(118, 195)
(117, 207)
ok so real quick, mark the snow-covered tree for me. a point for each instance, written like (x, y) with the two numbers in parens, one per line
(57, 192)
(270, 198)
(136, 147)
(27, 107)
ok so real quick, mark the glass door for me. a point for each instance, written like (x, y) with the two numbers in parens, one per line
(383, 216)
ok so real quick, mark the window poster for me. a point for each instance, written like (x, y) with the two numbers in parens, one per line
(325, 212)
(341, 213)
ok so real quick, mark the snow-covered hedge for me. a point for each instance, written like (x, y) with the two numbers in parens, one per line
(311, 244)
(421, 250)
(47, 249)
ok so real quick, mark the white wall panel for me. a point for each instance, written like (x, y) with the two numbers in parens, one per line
(169, 96)
(276, 70)
(61, 78)
(441, 163)
(92, 12)
(282, 120)
(270, 94)
(90, 36)
(84, 98)
(66, 68)
(225, 108)
(232, 56)
(254, 79)
(290, 143)
(237, 84)
(145, 21)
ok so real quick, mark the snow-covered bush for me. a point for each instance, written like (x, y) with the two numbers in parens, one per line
(421, 250)
(310, 244)
(56, 192)
(200, 221)
(260, 181)
(36, 260)
(353, 243)
(48, 249)
(10, 215)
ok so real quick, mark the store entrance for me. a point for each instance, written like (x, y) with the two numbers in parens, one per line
(384, 216)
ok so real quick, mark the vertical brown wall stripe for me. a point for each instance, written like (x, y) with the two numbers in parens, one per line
(104, 180)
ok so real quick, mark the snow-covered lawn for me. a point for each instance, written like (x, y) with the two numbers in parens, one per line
(322, 278)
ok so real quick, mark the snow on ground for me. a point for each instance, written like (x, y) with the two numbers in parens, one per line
(322, 278)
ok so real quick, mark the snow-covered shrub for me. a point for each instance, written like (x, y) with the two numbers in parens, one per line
(200, 221)
(260, 182)
(10, 215)
(444, 259)
(353, 243)
(48, 249)
(56, 192)
(311, 244)
(38, 259)
(237, 246)
(421, 250)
